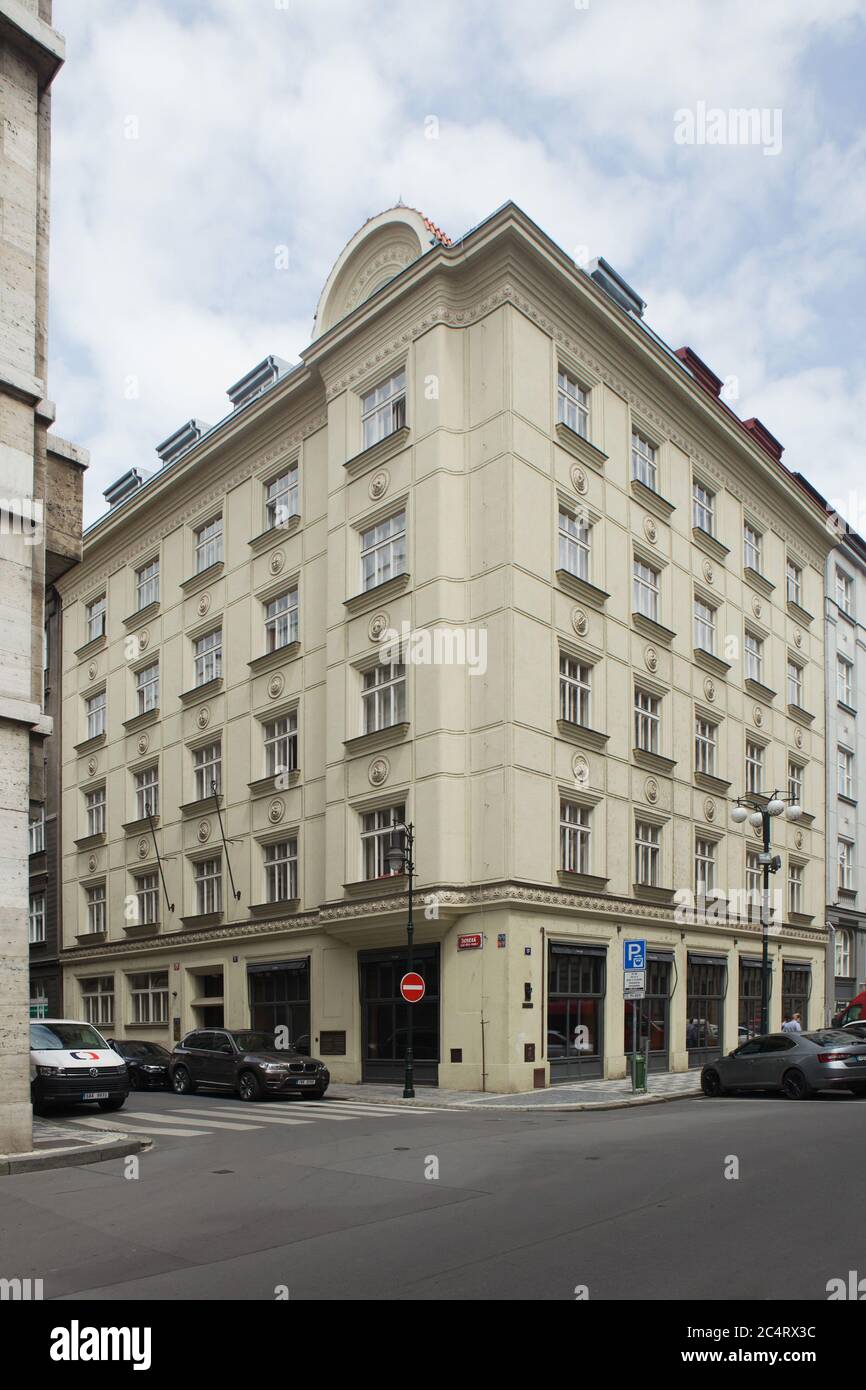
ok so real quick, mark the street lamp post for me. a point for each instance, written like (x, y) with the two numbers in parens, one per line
(401, 859)
(760, 816)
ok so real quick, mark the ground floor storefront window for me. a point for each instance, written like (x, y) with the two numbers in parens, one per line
(385, 1016)
(280, 998)
(749, 1010)
(796, 989)
(653, 1013)
(705, 1007)
(575, 1011)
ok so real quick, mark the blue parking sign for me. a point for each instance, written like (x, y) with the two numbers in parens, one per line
(634, 954)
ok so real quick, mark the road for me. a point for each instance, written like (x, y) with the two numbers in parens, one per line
(336, 1201)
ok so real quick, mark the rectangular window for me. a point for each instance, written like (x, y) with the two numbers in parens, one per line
(705, 626)
(795, 887)
(644, 465)
(647, 720)
(795, 684)
(383, 697)
(646, 590)
(208, 657)
(844, 591)
(95, 614)
(844, 953)
(147, 792)
(383, 410)
(36, 832)
(208, 886)
(706, 746)
(752, 547)
(572, 404)
(36, 921)
(793, 582)
(574, 832)
(575, 690)
(383, 551)
(574, 533)
(703, 508)
(647, 853)
(795, 783)
(754, 657)
(147, 584)
(282, 621)
(149, 997)
(754, 884)
(845, 681)
(281, 498)
(281, 745)
(208, 544)
(95, 711)
(147, 899)
(208, 768)
(96, 908)
(97, 1000)
(377, 829)
(705, 868)
(754, 768)
(94, 803)
(845, 851)
(845, 772)
(147, 688)
(281, 871)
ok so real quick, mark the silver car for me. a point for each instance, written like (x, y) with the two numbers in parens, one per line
(797, 1064)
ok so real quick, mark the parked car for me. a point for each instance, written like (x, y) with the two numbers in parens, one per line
(853, 1012)
(146, 1062)
(856, 1029)
(245, 1062)
(71, 1062)
(797, 1064)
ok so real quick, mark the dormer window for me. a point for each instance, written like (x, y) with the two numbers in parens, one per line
(383, 410)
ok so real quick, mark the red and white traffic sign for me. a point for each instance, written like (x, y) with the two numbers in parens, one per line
(412, 987)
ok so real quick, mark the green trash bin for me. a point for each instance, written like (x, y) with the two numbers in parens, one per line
(638, 1062)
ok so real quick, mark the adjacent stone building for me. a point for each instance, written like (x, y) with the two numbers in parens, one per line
(494, 560)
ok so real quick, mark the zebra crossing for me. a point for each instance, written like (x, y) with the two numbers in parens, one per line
(197, 1120)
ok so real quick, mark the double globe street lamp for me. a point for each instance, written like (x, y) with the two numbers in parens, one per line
(401, 860)
(760, 814)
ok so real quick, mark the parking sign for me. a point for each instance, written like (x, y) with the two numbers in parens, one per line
(634, 954)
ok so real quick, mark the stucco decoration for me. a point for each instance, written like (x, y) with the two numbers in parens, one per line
(203, 717)
(651, 789)
(651, 659)
(798, 839)
(709, 572)
(757, 607)
(378, 772)
(203, 605)
(92, 670)
(710, 690)
(379, 484)
(92, 765)
(798, 637)
(276, 686)
(650, 529)
(276, 811)
(204, 831)
(277, 561)
(383, 247)
(579, 621)
(798, 738)
(580, 768)
(758, 715)
(578, 479)
(379, 623)
(143, 743)
(143, 848)
(143, 639)
(709, 810)
(92, 863)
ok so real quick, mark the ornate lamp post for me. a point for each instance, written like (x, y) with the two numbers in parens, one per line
(760, 816)
(401, 859)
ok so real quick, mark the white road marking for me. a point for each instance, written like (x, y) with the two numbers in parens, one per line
(259, 1119)
(149, 1116)
(144, 1129)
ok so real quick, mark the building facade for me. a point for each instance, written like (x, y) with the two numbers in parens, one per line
(40, 512)
(491, 560)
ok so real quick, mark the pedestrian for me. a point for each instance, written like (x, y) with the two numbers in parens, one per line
(791, 1025)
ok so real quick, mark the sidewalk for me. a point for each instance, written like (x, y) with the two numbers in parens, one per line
(584, 1095)
(63, 1144)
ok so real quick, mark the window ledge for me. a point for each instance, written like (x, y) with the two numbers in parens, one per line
(580, 733)
(277, 909)
(848, 895)
(648, 892)
(90, 841)
(710, 662)
(801, 919)
(379, 738)
(201, 692)
(141, 929)
(650, 628)
(140, 721)
(202, 807)
(710, 543)
(277, 657)
(205, 919)
(580, 447)
(758, 581)
(203, 577)
(263, 786)
(760, 691)
(265, 539)
(142, 615)
(138, 827)
(590, 883)
(849, 800)
(365, 887)
(90, 744)
(368, 598)
(84, 936)
(708, 783)
(581, 588)
(393, 443)
(801, 715)
(90, 648)
(802, 615)
(652, 500)
(849, 709)
(654, 762)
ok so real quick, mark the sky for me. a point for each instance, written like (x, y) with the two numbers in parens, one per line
(211, 158)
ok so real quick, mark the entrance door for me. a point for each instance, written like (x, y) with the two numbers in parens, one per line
(575, 1012)
(384, 1016)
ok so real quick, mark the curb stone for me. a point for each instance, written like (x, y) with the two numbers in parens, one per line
(35, 1161)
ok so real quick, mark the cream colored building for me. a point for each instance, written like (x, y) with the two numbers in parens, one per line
(487, 445)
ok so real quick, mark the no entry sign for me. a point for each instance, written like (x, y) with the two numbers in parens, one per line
(412, 987)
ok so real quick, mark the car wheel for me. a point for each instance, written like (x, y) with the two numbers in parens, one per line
(711, 1084)
(181, 1082)
(116, 1104)
(795, 1086)
(249, 1086)
(859, 1090)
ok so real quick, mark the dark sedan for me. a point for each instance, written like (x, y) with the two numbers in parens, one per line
(247, 1063)
(797, 1064)
(146, 1062)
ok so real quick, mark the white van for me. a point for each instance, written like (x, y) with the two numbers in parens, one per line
(71, 1062)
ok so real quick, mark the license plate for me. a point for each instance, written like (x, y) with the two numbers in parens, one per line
(95, 1095)
(311, 1082)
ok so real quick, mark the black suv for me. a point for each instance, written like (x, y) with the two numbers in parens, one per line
(248, 1063)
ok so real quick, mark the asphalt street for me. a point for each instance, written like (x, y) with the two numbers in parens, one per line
(346, 1201)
